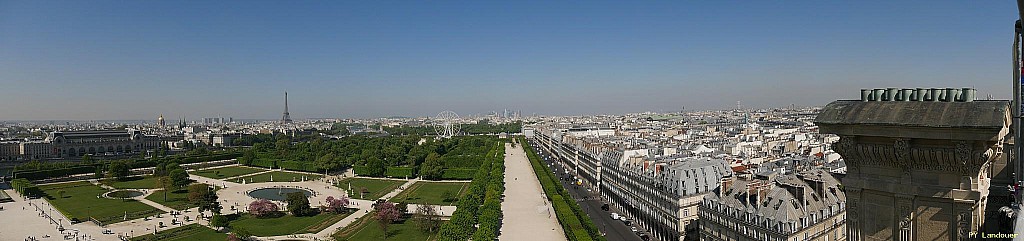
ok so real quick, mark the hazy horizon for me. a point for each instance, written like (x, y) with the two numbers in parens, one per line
(115, 60)
(463, 115)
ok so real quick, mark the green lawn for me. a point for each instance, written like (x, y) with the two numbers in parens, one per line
(286, 224)
(227, 172)
(191, 232)
(366, 228)
(82, 200)
(375, 187)
(176, 199)
(278, 177)
(143, 182)
(430, 193)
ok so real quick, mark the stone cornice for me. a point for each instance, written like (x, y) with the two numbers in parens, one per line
(964, 157)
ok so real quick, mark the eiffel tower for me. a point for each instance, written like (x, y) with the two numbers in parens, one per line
(285, 119)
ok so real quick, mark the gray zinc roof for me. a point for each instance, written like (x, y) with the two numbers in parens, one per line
(779, 204)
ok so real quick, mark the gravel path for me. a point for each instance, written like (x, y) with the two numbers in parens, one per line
(528, 215)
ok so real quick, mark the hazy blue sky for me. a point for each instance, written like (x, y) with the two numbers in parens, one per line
(137, 59)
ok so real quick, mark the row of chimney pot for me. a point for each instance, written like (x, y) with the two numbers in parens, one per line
(919, 94)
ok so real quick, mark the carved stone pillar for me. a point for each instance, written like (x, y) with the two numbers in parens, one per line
(852, 213)
(964, 219)
(905, 215)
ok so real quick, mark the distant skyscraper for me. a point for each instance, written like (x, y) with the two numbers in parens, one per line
(285, 119)
(161, 120)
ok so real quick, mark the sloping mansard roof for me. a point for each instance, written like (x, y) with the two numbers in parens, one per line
(781, 206)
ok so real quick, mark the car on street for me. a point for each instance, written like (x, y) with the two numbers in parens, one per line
(633, 229)
(615, 215)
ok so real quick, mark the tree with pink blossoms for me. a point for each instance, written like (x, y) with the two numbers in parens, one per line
(262, 208)
(336, 205)
(386, 214)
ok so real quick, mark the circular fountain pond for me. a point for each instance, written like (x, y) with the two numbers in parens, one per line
(123, 194)
(277, 193)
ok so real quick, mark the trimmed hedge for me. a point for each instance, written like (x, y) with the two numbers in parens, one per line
(297, 166)
(210, 157)
(400, 172)
(570, 222)
(175, 233)
(462, 161)
(396, 172)
(26, 188)
(61, 172)
(64, 170)
(458, 174)
(361, 170)
(575, 222)
(264, 163)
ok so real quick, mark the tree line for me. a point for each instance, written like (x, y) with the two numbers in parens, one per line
(481, 207)
(398, 156)
(479, 128)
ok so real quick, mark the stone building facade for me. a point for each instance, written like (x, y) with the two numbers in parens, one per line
(917, 170)
(661, 194)
(637, 195)
(9, 151)
(689, 180)
(80, 143)
(580, 149)
(35, 150)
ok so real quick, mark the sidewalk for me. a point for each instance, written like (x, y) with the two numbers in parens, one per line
(154, 204)
(211, 181)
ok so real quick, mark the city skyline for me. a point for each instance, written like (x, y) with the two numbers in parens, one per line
(135, 61)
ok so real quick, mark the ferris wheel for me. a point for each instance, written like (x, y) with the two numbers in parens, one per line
(446, 124)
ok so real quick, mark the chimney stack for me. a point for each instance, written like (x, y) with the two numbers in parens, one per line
(726, 182)
(919, 94)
